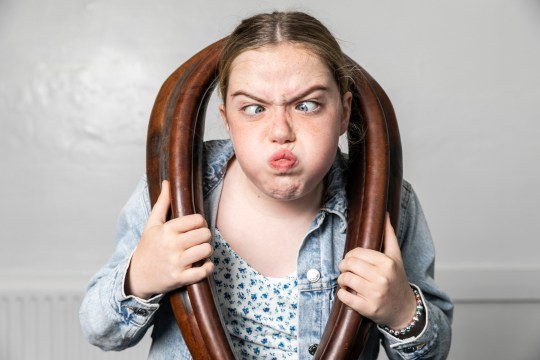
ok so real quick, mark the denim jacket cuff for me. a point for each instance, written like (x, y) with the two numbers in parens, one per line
(131, 308)
(416, 345)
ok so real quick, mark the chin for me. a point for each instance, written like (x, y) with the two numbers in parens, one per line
(289, 189)
(284, 196)
(291, 192)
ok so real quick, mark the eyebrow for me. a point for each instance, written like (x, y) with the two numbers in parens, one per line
(317, 87)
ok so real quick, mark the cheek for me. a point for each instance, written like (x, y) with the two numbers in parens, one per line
(246, 143)
(322, 148)
(245, 134)
(325, 138)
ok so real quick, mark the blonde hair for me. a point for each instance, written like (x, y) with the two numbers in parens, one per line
(274, 28)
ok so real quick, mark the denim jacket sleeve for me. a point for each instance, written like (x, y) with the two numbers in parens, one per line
(110, 319)
(419, 260)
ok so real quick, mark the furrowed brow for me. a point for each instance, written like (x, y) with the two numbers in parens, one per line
(308, 91)
(305, 93)
(246, 94)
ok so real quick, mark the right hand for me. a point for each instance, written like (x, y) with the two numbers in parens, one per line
(163, 260)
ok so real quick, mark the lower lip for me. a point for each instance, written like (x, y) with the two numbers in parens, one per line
(283, 160)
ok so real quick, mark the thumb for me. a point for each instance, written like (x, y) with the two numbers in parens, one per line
(158, 216)
(391, 245)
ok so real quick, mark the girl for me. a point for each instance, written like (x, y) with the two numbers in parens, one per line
(276, 221)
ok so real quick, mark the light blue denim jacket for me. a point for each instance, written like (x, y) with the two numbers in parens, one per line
(114, 321)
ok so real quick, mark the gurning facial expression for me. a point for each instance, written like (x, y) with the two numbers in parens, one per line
(284, 114)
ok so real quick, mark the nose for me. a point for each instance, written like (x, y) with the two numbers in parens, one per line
(281, 128)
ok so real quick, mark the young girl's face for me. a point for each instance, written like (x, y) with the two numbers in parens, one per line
(284, 114)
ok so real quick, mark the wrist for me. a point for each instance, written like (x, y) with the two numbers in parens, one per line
(406, 313)
(415, 324)
(129, 289)
(131, 285)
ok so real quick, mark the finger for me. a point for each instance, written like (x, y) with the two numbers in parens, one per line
(353, 282)
(186, 223)
(195, 254)
(193, 238)
(372, 257)
(158, 216)
(355, 301)
(362, 277)
(358, 266)
(391, 245)
(196, 274)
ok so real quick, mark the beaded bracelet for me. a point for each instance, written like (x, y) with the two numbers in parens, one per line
(415, 319)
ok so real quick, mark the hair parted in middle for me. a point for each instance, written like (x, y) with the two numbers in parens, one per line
(273, 28)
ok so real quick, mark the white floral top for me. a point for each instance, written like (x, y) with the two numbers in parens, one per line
(260, 313)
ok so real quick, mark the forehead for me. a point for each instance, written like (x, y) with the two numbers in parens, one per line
(284, 65)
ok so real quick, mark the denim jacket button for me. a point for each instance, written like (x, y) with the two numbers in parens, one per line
(313, 349)
(141, 312)
(411, 349)
(313, 275)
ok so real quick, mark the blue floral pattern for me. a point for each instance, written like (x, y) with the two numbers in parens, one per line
(260, 314)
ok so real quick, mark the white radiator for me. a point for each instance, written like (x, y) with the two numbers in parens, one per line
(42, 325)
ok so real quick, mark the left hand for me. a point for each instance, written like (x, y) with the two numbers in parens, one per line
(375, 284)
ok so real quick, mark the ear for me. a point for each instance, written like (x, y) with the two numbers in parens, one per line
(346, 102)
(223, 113)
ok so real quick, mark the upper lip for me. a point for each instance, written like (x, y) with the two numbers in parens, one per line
(283, 154)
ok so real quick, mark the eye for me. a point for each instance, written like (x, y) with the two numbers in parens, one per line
(253, 109)
(307, 106)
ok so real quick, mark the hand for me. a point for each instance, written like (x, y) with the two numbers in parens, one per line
(375, 284)
(163, 260)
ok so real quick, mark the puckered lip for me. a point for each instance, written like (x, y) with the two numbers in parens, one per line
(283, 160)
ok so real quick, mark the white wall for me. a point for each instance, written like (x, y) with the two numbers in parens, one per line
(78, 79)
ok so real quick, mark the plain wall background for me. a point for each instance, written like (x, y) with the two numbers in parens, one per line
(77, 83)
